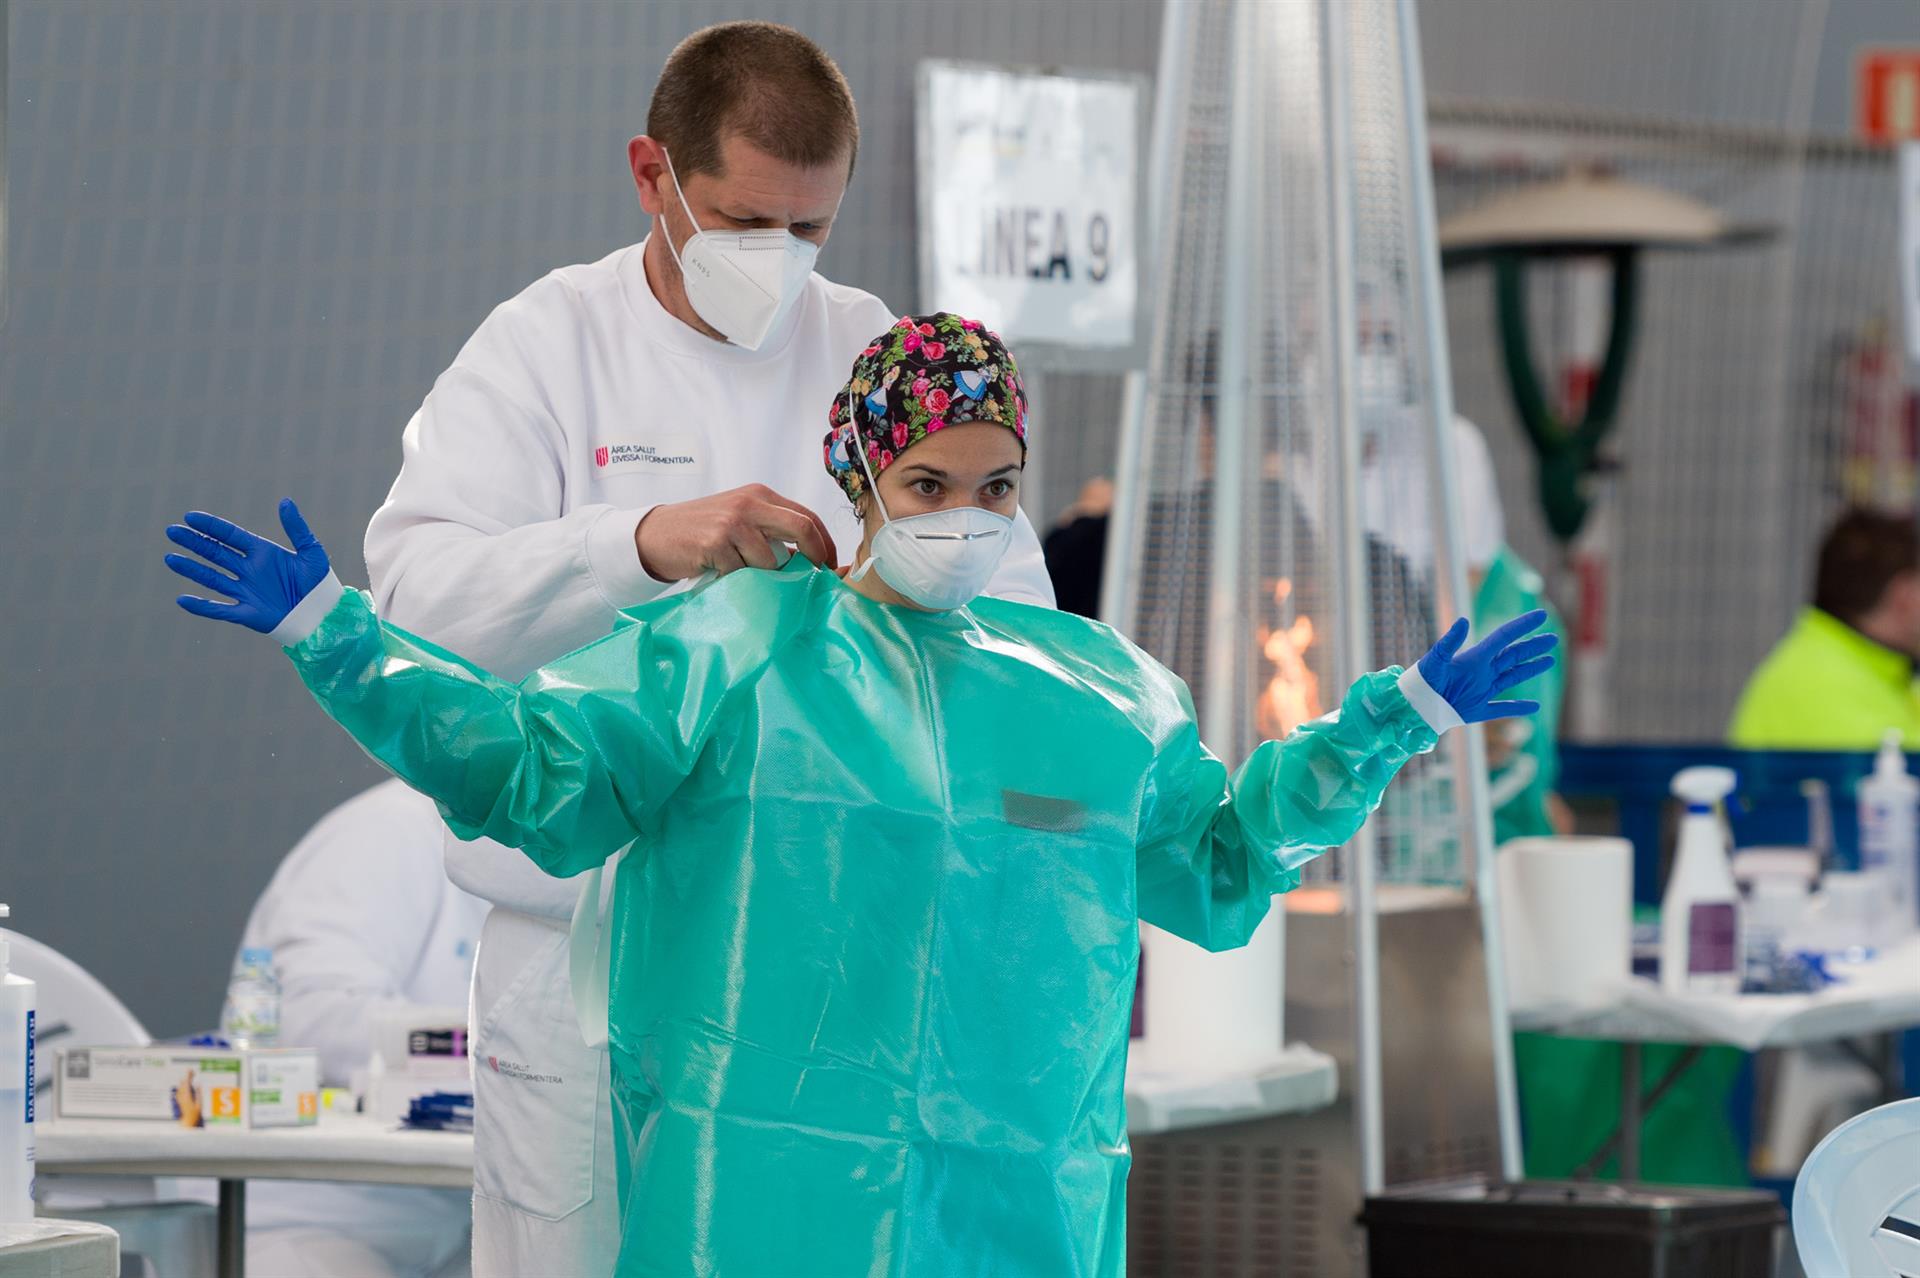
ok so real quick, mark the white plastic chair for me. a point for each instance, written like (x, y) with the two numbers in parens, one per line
(1856, 1204)
(73, 1009)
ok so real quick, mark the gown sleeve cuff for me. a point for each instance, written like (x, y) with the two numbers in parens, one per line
(308, 613)
(614, 560)
(1430, 705)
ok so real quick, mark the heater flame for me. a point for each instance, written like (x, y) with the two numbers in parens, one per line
(1292, 695)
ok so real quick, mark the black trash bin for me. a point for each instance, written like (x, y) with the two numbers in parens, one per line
(1570, 1229)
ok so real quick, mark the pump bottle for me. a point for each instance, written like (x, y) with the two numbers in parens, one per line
(16, 1090)
(1700, 939)
(1889, 833)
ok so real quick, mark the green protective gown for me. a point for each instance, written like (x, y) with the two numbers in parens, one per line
(1520, 786)
(874, 947)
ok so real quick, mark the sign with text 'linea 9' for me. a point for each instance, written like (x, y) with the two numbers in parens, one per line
(1030, 203)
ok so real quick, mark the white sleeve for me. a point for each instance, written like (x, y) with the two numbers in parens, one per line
(347, 917)
(1482, 522)
(475, 550)
(1023, 577)
(506, 877)
(472, 551)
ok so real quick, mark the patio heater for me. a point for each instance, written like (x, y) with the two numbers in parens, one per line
(1291, 415)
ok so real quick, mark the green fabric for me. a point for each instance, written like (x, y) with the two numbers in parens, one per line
(1570, 1096)
(1521, 785)
(874, 948)
(1826, 686)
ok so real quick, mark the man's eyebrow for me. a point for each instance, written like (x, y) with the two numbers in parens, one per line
(737, 215)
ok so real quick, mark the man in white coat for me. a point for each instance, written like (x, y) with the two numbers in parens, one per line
(617, 429)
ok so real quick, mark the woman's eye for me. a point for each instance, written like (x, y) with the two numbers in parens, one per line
(926, 487)
(999, 488)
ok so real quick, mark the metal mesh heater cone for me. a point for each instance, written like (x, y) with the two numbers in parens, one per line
(1286, 521)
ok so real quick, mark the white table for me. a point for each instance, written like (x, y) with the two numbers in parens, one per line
(1294, 1081)
(339, 1148)
(372, 1151)
(1879, 997)
(50, 1248)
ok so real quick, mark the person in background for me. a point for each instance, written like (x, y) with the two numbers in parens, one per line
(1523, 756)
(1842, 677)
(360, 918)
(1076, 549)
(620, 428)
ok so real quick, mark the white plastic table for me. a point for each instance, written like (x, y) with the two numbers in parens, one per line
(51, 1248)
(372, 1151)
(1294, 1081)
(1879, 997)
(341, 1148)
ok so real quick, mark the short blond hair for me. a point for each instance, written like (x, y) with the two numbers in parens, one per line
(759, 81)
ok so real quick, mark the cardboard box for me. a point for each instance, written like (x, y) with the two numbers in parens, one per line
(192, 1086)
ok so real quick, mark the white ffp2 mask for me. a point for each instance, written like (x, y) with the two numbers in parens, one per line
(741, 282)
(939, 560)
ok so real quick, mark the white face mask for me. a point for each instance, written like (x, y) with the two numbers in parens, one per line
(939, 560)
(741, 282)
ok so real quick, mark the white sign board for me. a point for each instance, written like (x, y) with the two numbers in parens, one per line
(1910, 245)
(1031, 206)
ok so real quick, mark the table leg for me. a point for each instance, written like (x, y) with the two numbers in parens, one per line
(1631, 1064)
(1888, 1060)
(1635, 1101)
(233, 1229)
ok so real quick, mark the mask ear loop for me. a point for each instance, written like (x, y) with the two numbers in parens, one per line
(684, 207)
(856, 445)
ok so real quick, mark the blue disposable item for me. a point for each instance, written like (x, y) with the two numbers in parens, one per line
(1470, 681)
(442, 1102)
(264, 579)
(441, 1111)
(1801, 972)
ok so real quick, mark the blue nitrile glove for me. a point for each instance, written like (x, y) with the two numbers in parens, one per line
(264, 578)
(1469, 681)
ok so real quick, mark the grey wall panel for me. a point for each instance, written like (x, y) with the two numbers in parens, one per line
(246, 237)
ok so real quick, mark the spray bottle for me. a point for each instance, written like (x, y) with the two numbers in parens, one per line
(1890, 833)
(1700, 950)
(16, 1091)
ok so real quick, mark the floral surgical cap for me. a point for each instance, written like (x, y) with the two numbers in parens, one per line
(922, 375)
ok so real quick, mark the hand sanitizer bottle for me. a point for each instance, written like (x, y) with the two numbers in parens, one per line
(1889, 833)
(1700, 950)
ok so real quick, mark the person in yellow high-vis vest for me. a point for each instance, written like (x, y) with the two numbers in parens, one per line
(1842, 677)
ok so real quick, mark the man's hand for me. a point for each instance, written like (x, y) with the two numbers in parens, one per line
(728, 531)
